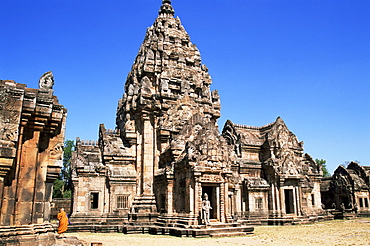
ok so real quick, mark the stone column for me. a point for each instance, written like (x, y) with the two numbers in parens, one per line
(148, 156)
(223, 200)
(191, 197)
(278, 199)
(218, 202)
(295, 200)
(139, 158)
(170, 197)
(238, 199)
(1, 196)
(48, 198)
(226, 197)
(273, 198)
(197, 197)
(26, 179)
(40, 188)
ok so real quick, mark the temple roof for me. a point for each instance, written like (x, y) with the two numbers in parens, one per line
(166, 8)
(168, 75)
(254, 135)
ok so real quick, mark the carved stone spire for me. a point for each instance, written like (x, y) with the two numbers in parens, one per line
(166, 8)
(168, 78)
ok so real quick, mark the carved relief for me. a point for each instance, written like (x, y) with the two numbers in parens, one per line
(46, 81)
(209, 178)
(57, 151)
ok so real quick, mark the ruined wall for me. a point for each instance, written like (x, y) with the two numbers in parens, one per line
(349, 187)
(57, 204)
(32, 124)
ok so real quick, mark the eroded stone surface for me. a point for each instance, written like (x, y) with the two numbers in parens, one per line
(348, 189)
(32, 126)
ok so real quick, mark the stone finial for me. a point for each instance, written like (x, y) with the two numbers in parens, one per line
(46, 81)
(166, 8)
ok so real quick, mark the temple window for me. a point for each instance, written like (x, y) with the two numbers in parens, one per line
(313, 199)
(361, 202)
(259, 204)
(122, 201)
(366, 202)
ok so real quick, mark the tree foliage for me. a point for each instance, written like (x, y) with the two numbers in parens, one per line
(63, 184)
(322, 163)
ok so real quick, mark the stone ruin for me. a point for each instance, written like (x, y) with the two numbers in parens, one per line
(32, 127)
(152, 171)
(347, 192)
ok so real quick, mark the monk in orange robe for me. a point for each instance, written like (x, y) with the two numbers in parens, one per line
(63, 222)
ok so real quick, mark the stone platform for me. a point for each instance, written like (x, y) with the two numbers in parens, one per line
(212, 230)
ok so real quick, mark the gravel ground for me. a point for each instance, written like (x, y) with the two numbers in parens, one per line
(337, 232)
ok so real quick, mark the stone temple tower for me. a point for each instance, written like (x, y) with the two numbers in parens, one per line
(167, 86)
(167, 153)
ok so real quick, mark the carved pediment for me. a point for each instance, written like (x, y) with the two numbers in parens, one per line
(282, 141)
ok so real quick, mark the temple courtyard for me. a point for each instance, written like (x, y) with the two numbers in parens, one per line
(336, 232)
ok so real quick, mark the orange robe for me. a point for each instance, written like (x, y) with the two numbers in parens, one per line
(63, 222)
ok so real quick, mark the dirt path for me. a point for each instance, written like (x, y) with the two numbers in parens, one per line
(338, 232)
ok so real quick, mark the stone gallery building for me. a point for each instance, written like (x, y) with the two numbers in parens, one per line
(166, 151)
(32, 126)
(348, 189)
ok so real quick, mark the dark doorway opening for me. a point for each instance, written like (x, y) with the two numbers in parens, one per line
(212, 197)
(289, 202)
(94, 200)
(346, 202)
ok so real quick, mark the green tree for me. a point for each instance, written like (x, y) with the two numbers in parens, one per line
(63, 184)
(322, 163)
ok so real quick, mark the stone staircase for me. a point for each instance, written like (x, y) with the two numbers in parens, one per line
(96, 225)
(182, 228)
(212, 230)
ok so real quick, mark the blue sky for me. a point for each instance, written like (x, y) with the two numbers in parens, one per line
(307, 61)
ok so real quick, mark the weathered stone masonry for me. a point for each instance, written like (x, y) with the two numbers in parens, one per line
(167, 152)
(32, 127)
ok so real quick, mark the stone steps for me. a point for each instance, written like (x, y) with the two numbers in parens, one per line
(203, 231)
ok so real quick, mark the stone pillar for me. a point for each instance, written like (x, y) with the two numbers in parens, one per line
(298, 212)
(191, 198)
(170, 197)
(40, 185)
(223, 198)
(226, 197)
(295, 199)
(9, 194)
(218, 202)
(197, 196)
(148, 156)
(48, 199)
(273, 198)
(139, 159)
(238, 199)
(278, 199)
(1, 196)
(8, 205)
(26, 179)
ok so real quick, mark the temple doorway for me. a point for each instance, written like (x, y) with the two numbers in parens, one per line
(289, 201)
(346, 201)
(212, 197)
